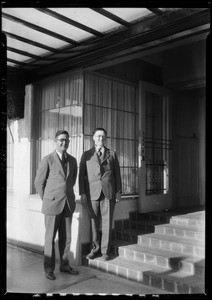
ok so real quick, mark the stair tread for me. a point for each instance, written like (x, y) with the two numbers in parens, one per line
(165, 253)
(140, 232)
(196, 214)
(175, 239)
(145, 267)
(179, 226)
(183, 227)
(200, 216)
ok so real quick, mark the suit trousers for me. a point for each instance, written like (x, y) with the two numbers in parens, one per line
(103, 209)
(62, 224)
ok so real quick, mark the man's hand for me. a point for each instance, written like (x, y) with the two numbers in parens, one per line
(118, 197)
(83, 200)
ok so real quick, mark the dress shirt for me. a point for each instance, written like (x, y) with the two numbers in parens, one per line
(60, 154)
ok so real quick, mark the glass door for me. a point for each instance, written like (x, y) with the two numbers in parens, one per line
(154, 148)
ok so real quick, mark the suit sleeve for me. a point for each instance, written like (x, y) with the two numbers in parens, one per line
(82, 174)
(41, 177)
(118, 182)
(75, 172)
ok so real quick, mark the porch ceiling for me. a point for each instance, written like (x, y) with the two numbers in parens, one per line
(47, 40)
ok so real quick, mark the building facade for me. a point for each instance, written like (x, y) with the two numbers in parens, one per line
(154, 111)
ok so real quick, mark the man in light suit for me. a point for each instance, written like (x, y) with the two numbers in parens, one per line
(100, 187)
(55, 179)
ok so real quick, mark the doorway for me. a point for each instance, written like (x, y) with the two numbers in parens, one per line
(155, 145)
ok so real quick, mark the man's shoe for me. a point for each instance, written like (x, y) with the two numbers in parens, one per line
(93, 255)
(105, 257)
(50, 276)
(69, 270)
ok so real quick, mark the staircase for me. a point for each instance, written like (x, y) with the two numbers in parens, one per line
(165, 250)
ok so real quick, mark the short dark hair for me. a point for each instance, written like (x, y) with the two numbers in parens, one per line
(99, 128)
(59, 132)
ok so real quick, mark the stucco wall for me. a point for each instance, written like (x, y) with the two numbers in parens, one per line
(25, 223)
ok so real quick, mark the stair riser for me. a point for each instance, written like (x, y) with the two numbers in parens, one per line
(163, 262)
(144, 228)
(147, 278)
(148, 217)
(183, 233)
(171, 246)
(120, 236)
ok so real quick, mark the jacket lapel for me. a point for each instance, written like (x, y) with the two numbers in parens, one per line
(94, 155)
(58, 163)
(106, 154)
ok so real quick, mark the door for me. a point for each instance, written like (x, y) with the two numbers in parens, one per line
(154, 148)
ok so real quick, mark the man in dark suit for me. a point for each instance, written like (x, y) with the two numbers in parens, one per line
(55, 179)
(100, 187)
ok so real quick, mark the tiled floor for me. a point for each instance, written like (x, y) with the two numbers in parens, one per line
(25, 275)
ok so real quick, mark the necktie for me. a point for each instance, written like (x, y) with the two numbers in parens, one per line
(64, 163)
(100, 154)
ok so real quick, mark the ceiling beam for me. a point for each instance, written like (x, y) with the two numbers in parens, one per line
(28, 54)
(156, 11)
(145, 36)
(111, 16)
(70, 21)
(150, 48)
(30, 42)
(40, 29)
(173, 21)
(16, 62)
(158, 34)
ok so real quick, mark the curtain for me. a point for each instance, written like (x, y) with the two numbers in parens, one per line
(59, 106)
(79, 104)
(112, 105)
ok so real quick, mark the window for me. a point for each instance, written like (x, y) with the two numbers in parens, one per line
(59, 106)
(107, 103)
(112, 105)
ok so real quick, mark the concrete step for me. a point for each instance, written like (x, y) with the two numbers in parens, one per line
(167, 230)
(176, 282)
(188, 264)
(173, 243)
(165, 216)
(195, 219)
(161, 249)
(188, 232)
(148, 226)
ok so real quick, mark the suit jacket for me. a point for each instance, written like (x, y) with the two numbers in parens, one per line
(53, 186)
(96, 176)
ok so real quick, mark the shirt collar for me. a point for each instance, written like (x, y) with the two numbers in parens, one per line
(60, 154)
(98, 149)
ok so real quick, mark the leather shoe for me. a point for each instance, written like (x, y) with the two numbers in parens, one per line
(105, 257)
(93, 255)
(70, 271)
(50, 276)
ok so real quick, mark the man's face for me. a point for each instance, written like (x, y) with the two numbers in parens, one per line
(99, 138)
(62, 142)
